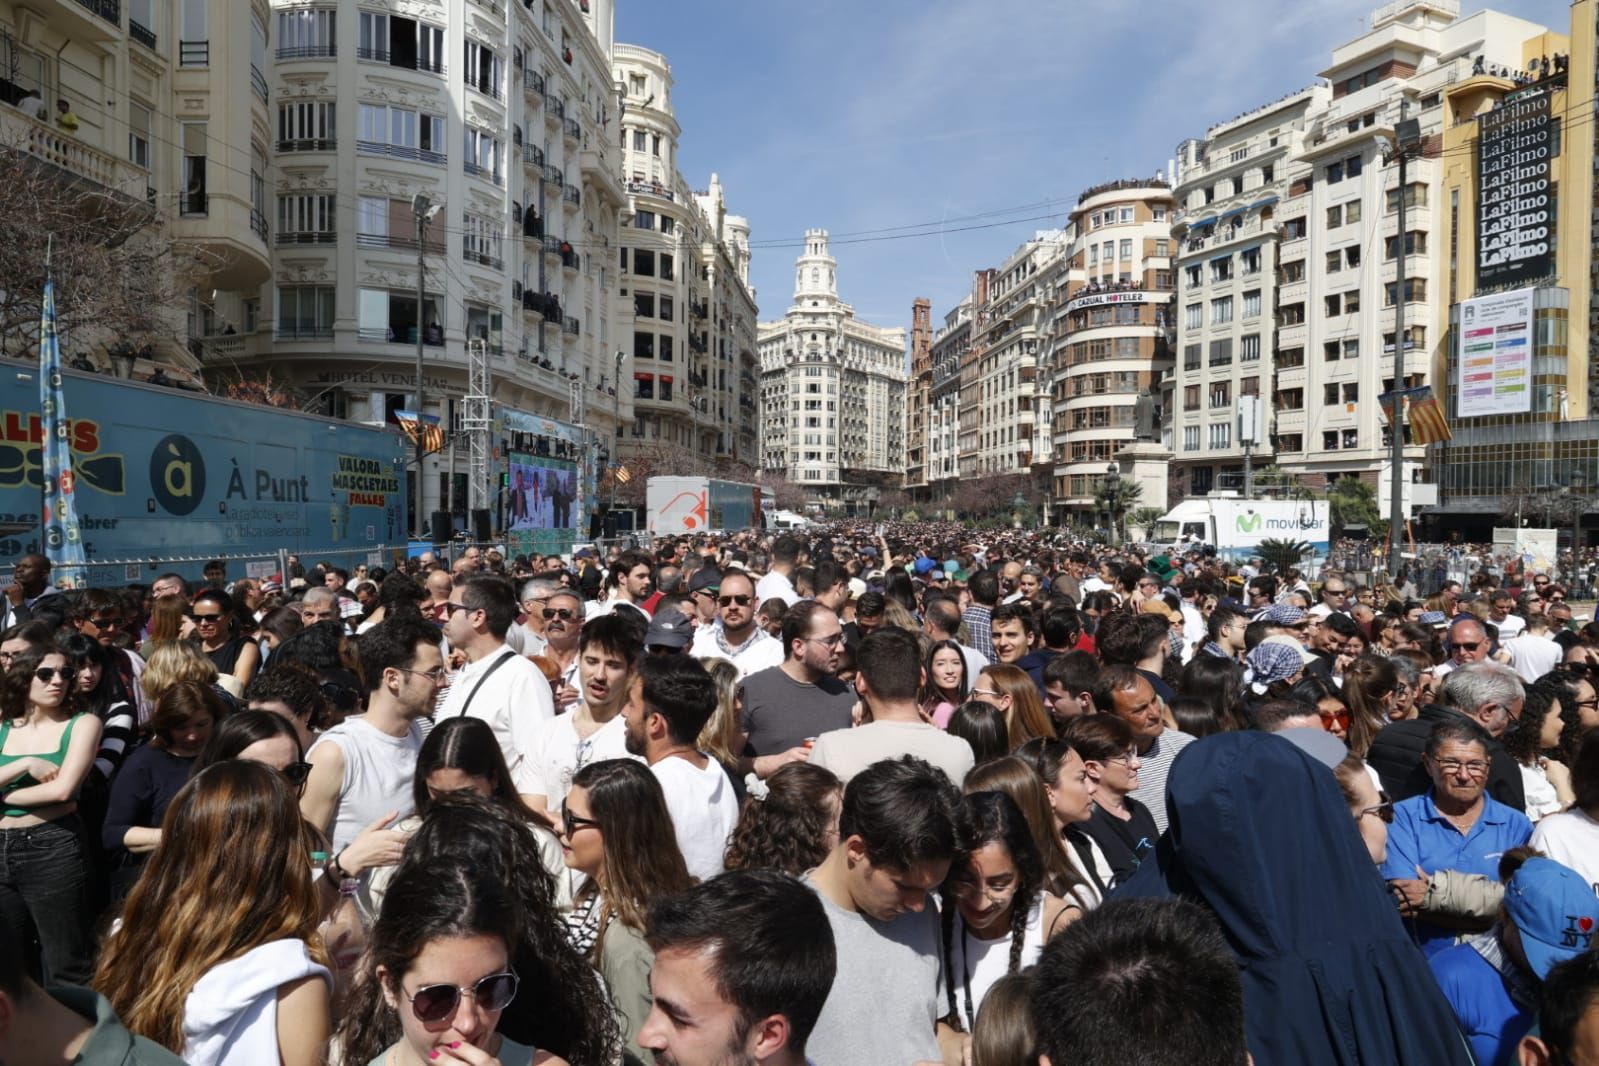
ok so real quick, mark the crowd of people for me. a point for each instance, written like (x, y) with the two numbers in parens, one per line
(866, 795)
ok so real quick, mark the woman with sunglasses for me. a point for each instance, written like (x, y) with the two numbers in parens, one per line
(217, 632)
(996, 915)
(257, 736)
(1320, 692)
(437, 974)
(1122, 827)
(99, 692)
(47, 748)
(217, 957)
(617, 833)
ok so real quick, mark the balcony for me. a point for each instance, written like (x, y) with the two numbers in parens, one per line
(308, 51)
(493, 262)
(286, 238)
(482, 173)
(98, 20)
(571, 130)
(533, 86)
(571, 327)
(554, 109)
(194, 53)
(69, 156)
(570, 260)
(142, 34)
(401, 151)
(553, 175)
(309, 144)
(298, 333)
(258, 82)
(258, 224)
(533, 156)
(424, 64)
(552, 245)
(572, 195)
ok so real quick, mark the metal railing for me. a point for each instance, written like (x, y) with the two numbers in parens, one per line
(310, 237)
(533, 83)
(309, 144)
(110, 10)
(258, 223)
(141, 33)
(572, 130)
(194, 53)
(309, 51)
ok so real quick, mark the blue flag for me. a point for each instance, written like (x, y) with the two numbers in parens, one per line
(63, 541)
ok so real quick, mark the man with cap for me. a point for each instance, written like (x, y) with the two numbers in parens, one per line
(1493, 980)
(669, 633)
(703, 588)
(735, 635)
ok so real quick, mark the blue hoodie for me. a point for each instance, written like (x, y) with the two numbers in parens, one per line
(1260, 833)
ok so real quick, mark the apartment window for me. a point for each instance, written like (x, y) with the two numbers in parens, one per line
(1334, 304)
(484, 154)
(643, 262)
(666, 266)
(1351, 301)
(1292, 272)
(1190, 397)
(667, 345)
(1126, 214)
(666, 314)
(1291, 399)
(1250, 261)
(1190, 438)
(1353, 163)
(401, 133)
(1350, 438)
(1221, 311)
(1192, 356)
(1351, 348)
(306, 219)
(1093, 255)
(401, 42)
(1158, 214)
(1268, 173)
(1162, 247)
(1329, 393)
(1351, 212)
(1415, 244)
(194, 197)
(481, 240)
(1351, 392)
(1415, 196)
(1194, 316)
(1329, 351)
(306, 126)
(1335, 261)
(1249, 348)
(306, 33)
(1293, 229)
(1126, 245)
(139, 135)
(1191, 276)
(1415, 292)
(1221, 435)
(1335, 216)
(1221, 352)
(1352, 255)
(1335, 173)
(1288, 358)
(1252, 303)
(305, 311)
(194, 44)
(486, 325)
(1221, 394)
(655, 144)
(1292, 314)
(1221, 269)
(382, 315)
(483, 69)
(1329, 440)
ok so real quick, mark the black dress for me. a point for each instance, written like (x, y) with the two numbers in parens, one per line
(1125, 844)
(226, 657)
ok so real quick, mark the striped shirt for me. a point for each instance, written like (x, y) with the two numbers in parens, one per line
(1157, 762)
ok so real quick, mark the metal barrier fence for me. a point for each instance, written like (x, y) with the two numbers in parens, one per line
(112, 573)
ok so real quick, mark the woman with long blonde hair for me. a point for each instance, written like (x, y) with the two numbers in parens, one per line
(1012, 691)
(719, 738)
(173, 661)
(216, 956)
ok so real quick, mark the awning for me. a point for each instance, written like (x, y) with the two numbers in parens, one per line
(1267, 202)
(1211, 221)
(1225, 215)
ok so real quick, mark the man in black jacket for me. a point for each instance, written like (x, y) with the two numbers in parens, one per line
(1487, 693)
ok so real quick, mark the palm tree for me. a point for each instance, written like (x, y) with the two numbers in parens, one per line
(1281, 554)
(1144, 518)
(1129, 494)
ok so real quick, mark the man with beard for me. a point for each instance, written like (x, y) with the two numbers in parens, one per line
(735, 636)
(743, 965)
(608, 654)
(663, 724)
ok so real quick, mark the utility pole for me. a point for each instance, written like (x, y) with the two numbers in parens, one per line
(1407, 133)
(423, 208)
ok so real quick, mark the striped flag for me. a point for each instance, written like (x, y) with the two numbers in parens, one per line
(63, 541)
(1427, 424)
(427, 426)
(622, 474)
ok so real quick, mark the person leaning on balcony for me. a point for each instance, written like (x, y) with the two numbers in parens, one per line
(64, 116)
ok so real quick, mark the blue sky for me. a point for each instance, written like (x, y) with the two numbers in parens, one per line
(857, 115)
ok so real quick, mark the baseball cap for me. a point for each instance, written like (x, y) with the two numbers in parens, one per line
(924, 564)
(1282, 614)
(1555, 911)
(670, 629)
(704, 578)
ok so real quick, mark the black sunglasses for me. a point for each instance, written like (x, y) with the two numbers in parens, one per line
(296, 773)
(434, 1003)
(47, 674)
(108, 622)
(728, 601)
(571, 823)
(558, 612)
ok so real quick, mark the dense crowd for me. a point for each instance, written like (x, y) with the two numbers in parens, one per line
(868, 795)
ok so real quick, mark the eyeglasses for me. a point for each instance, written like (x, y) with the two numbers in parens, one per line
(1336, 592)
(434, 1003)
(451, 608)
(831, 641)
(438, 673)
(1383, 811)
(1329, 717)
(988, 692)
(728, 601)
(296, 774)
(1474, 767)
(107, 622)
(564, 613)
(710, 590)
(47, 674)
(968, 891)
(1127, 758)
(571, 823)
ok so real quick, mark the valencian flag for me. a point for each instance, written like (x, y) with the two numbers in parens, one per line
(432, 433)
(63, 541)
(623, 474)
(1424, 414)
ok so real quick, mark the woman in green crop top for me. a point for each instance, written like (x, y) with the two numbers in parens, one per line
(46, 750)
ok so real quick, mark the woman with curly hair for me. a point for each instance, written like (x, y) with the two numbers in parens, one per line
(217, 956)
(562, 1007)
(47, 747)
(790, 823)
(617, 832)
(996, 915)
(1533, 740)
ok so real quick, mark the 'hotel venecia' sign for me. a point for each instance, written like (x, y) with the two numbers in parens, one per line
(1515, 209)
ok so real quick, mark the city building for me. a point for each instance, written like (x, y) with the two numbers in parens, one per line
(1513, 303)
(685, 264)
(1110, 339)
(918, 397)
(949, 352)
(832, 393)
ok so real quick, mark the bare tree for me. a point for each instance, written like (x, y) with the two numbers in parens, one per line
(120, 279)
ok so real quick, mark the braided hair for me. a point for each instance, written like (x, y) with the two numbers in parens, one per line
(989, 818)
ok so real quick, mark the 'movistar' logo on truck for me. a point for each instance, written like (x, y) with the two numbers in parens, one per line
(1249, 523)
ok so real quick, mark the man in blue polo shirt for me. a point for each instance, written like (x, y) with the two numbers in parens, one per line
(1493, 981)
(1454, 825)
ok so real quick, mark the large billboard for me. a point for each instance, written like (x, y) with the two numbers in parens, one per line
(541, 505)
(1515, 204)
(1495, 355)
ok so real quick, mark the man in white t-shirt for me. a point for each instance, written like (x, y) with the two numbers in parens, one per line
(778, 582)
(735, 635)
(663, 728)
(608, 654)
(1534, 653)
(362, 768)
(497, 685)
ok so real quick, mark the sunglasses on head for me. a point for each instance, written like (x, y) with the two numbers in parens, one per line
(435, 1003)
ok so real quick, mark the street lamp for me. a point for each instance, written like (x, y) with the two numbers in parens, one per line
(423, 209)
(1018, 508)
(1113, 485)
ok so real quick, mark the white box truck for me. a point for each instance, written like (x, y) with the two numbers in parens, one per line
(1235, 526)
(678, 505)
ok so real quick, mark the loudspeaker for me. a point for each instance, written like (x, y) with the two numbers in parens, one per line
(441, 526)
(482, 529)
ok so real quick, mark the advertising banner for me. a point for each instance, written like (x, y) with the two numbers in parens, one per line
(1515, 207)
(1496, 355)
(541, 505)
